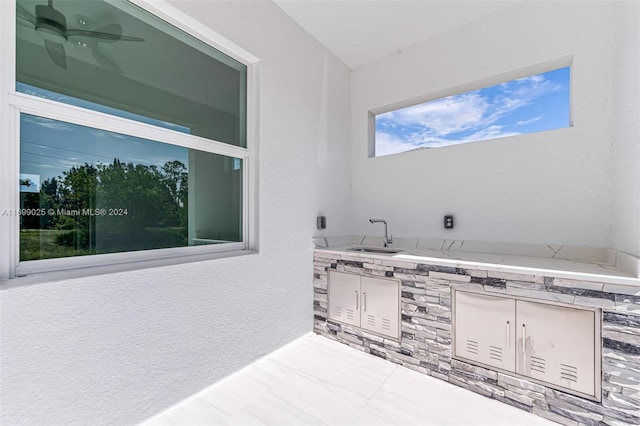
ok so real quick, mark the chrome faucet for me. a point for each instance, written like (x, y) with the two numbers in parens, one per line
(386, 239)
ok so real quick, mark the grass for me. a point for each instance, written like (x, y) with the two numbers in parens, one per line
(38, 244)
(41, 244)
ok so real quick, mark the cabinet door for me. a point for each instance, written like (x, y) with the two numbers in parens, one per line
(485, 329)
(557, 344)
(344, 297)
(380, 309)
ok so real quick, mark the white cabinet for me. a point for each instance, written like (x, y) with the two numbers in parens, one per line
(547, 342)
(370, 303)
(344, 298)
(485, 329)
(558, 345)
(380, 306)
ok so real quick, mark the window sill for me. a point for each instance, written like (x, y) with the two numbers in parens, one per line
(113, 268)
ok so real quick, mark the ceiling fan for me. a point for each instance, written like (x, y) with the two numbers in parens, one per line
(51, 25)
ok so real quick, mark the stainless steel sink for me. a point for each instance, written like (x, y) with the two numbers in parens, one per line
(382, 250)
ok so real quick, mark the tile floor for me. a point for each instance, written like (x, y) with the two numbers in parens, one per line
(316, 381)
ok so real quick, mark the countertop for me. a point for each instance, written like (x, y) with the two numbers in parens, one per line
(600, 272)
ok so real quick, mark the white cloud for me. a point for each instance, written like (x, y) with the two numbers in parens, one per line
(442, 117)
(387, 144)
(531, 87)
(529, 121)
(491, 132)
(454, 114)
(48, 123)
(438, 122)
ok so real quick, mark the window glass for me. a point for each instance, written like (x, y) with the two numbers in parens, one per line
(47, 94)
(89, 191)
(527, 105)
(115, 54)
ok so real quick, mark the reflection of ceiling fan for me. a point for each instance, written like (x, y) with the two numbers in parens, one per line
(51, 25)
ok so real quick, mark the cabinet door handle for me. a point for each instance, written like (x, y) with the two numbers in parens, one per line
(524, 335)
(508, 335)
(364, 306)
(357, 299)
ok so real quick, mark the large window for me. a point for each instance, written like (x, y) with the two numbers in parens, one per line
(527, 105)
(130, 133)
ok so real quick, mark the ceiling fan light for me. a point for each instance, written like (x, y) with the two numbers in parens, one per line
(51, 24)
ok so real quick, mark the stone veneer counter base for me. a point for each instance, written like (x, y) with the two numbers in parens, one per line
(426, 345)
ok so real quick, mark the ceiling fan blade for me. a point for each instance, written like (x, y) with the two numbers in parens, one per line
(56, 52)
(102, 36)
(115, 29)
(24, 14)
(105, 62)
(130, 38)
(24, 23)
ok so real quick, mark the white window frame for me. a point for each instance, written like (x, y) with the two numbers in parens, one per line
(12, 104)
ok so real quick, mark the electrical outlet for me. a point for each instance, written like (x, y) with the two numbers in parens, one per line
(448, 221)
(321, 222)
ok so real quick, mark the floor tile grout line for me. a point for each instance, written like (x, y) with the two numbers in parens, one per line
(320, 382)
(267, 388)
(320, 373)
(221, 413)
(331, 353)
(395, 367)
(224, 379)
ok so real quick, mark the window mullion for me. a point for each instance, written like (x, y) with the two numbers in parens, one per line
(10, 195)
(103, 121)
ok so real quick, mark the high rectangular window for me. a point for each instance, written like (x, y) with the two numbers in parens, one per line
(527, 105)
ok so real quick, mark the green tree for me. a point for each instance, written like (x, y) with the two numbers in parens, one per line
(176, 178)
(49, 200)
(141, 191)
(117, 206)
(77, 191)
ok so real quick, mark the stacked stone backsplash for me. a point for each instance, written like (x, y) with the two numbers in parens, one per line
(425, 344)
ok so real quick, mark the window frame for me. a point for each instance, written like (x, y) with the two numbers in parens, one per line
(13, 104)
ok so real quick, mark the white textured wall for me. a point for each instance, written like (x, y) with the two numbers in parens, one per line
(550, 187)
(626, 128)
(116, 349)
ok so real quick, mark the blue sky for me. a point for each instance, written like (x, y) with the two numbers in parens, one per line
(49, 147)
(526, 105)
